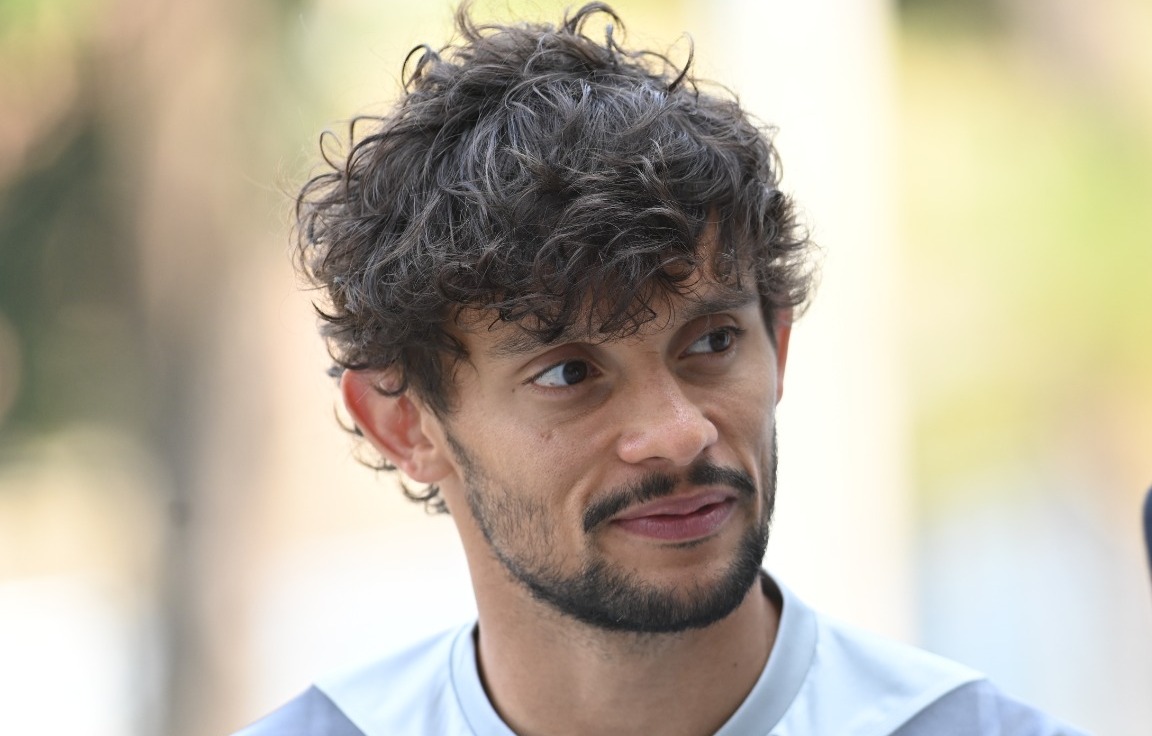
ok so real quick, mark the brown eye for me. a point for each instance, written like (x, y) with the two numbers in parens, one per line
(719, 341)
(716, 341)
(568, 373)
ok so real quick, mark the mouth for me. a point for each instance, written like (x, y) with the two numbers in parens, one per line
(678, 519)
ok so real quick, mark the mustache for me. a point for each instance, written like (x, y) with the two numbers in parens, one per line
(659, 485)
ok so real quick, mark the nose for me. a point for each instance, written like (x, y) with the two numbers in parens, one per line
(663, 423)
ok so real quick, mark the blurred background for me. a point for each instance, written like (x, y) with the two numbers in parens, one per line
(186, 538)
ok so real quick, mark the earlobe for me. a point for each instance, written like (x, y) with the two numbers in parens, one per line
(394, 425)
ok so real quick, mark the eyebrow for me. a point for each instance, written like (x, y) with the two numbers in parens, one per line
(519, 342)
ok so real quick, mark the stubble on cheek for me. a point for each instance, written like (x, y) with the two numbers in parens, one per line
(505, 518)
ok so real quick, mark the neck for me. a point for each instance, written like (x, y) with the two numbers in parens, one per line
(548, 674)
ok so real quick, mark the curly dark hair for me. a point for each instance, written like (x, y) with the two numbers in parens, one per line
(530, 170)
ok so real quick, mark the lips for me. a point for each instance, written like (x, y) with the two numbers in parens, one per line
(676, 506)
(682, 518)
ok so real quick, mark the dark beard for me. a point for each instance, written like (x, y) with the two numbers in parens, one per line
(599, 594)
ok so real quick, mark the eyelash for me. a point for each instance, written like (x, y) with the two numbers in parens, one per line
(732, 330)
(590, 372)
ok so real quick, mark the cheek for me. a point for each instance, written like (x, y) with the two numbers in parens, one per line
(560, 466)
(752, 428)
(751, 413)
(539, 462)
(557, 455)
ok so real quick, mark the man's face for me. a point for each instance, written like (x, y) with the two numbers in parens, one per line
(629, 483)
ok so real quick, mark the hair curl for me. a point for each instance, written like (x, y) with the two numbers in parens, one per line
(531, 170)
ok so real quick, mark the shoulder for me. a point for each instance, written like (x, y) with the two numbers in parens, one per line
(929, 694)
(846, 654)
(862, 684)
(981, 709)
(312, 713)
(406, 691)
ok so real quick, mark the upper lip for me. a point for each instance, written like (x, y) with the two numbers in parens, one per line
(676, 505)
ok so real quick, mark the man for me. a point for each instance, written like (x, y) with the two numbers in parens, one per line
(560, 281)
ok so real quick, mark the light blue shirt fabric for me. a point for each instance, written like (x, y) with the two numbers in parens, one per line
(822, 677)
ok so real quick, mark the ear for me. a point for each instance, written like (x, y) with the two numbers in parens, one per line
(782, 331)
(395, 425)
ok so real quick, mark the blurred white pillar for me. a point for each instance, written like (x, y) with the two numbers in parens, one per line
(821, 71)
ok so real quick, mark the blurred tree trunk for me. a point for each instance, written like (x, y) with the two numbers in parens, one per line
(177, 83)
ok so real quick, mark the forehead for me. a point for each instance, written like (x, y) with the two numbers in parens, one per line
(484, 330)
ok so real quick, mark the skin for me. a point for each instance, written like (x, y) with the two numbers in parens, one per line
(545, 434)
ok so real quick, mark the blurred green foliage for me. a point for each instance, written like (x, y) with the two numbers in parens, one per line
(68, 284)
(29, 23)
(68, 274)
(1028, 247)
(952, 16)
